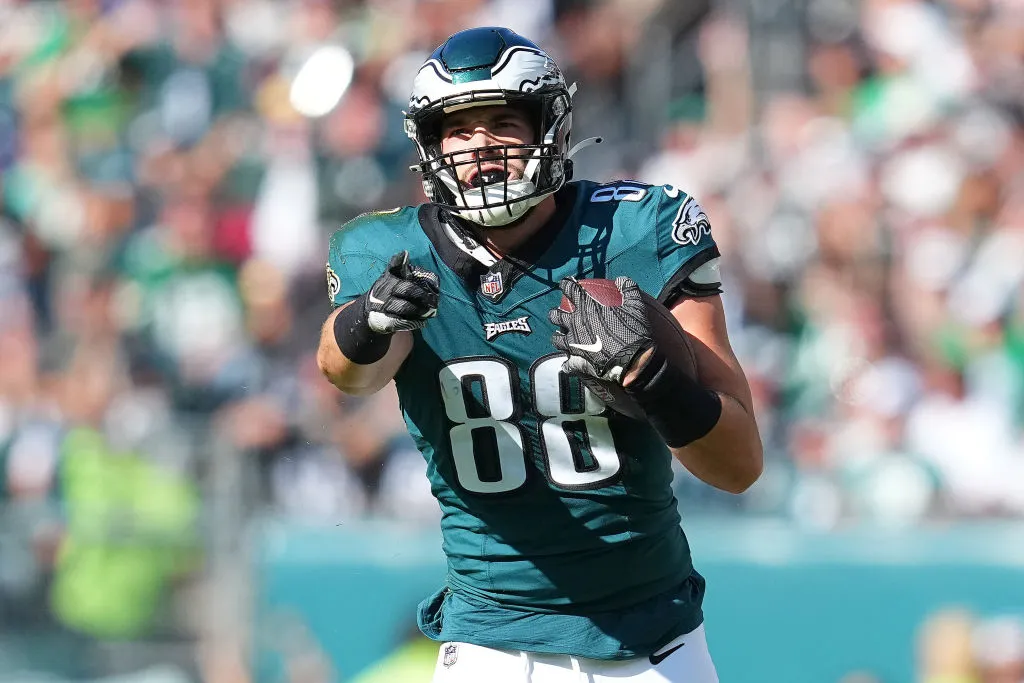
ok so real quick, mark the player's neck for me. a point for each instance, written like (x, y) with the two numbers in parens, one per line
(505, 240)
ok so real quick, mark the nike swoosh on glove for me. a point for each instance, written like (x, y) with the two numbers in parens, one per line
(403, 298)
(602, 341)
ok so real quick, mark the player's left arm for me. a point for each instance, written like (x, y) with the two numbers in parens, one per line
(723, 447)
(729, 456)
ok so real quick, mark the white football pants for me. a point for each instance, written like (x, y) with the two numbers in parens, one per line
(685, 660)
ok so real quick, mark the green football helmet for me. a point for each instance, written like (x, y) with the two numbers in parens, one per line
(486, 67)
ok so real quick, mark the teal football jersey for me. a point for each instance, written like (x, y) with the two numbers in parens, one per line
(559, 522)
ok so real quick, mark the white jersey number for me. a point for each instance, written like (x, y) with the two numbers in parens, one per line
(487, 440)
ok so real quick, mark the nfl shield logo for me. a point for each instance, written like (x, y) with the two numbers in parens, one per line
(491, 286)
(451, 653)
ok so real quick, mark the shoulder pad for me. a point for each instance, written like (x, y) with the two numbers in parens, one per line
(368, 231)
(360, 250)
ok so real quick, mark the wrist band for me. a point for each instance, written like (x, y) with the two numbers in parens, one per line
(357, 341)
(679, 408)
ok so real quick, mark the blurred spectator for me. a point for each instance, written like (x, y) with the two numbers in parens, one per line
(999, 649)
(944, 650)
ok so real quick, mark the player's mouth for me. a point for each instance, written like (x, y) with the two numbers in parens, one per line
(487, 175)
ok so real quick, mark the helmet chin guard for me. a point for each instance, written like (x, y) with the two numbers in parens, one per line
(497, 205)
(488, 67)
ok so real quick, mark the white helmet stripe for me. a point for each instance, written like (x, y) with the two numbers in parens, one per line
(507, 58)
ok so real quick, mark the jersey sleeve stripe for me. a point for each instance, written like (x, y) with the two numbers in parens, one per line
(680, 285)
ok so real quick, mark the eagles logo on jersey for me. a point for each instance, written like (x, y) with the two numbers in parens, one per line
(691, 223)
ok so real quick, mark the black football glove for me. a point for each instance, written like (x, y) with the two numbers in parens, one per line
(403, 298)
(602, 341)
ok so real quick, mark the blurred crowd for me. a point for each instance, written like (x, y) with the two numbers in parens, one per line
(167, 191)
(873, 226)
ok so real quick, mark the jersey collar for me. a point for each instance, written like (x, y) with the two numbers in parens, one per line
(471, 261)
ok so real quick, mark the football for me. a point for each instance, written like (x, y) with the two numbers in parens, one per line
(675, 342)
(603, 292)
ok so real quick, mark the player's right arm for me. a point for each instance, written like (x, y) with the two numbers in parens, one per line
(365, 341)
(355, 378)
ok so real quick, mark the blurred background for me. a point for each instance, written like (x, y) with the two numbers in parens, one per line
(183, 498)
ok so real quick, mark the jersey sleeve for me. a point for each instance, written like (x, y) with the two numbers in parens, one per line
(351, 270)
(688, 258)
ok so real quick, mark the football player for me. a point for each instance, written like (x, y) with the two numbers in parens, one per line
(565, 554)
